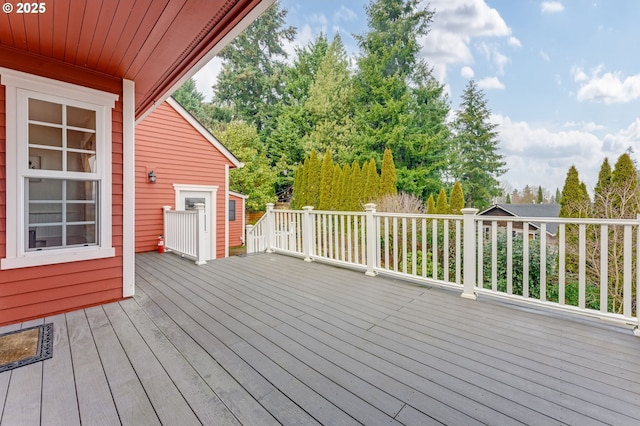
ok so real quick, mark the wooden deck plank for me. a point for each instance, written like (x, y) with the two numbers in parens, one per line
(207, 332)
(5, 377)
(129, 396)
(201, 398)
(95, 401)
(155, 380)
(269, 339)
(237, 398)
(59, 398)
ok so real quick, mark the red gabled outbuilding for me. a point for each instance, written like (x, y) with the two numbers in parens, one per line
(75, 77)
(187, 164)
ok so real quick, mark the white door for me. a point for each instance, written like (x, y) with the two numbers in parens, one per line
(187, 201)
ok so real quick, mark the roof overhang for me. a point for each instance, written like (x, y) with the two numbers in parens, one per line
(158, 44)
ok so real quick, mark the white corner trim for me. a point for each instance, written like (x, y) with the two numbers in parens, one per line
(226, 210)
(129, 189)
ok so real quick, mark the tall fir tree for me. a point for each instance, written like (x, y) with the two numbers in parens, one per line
(336, 188)
(388, 177)
(456, 199)
(356, 185)
(372, 187)
(326, 172)
(540, 196)
(625, 200)
(476, 162)
(345, 193)
(508, 199)
(250, 84)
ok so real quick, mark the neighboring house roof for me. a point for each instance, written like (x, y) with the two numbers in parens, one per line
(529, 210)
(203, 131)
(158, 44)
(239, 195)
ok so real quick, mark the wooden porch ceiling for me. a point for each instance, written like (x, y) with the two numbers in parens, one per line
(152, 42)
(239, 341)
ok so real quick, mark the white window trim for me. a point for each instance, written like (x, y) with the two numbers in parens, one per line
(16, 256)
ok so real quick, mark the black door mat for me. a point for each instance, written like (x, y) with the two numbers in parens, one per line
(25, 346)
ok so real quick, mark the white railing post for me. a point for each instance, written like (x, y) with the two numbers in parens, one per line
(636, 329)
(249, 239)
(469, 253)
(200, 226)
(370, 232)
(165, 228)
(307, 233)
(270, 230)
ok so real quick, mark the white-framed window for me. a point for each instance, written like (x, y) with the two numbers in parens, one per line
(58, 171)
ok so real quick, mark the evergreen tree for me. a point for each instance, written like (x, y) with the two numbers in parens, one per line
(476, 162)
(624, 182)
(508, 200)
(602, 193)
(441, 204)
(336, 188)
(330, 104)
(313, 180)
(326, 181)
(558, 196)
(540, 197)
(399, 104)
(192, 100)
(347, 189)
(456, 199)
(356, 185)
(250, 84)
(431, 205)
(372, 187)
(388, 178)
(575, 198)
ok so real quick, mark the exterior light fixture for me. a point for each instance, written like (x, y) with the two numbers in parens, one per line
(152, 177)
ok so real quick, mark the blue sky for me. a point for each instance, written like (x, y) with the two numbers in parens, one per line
(562, 78)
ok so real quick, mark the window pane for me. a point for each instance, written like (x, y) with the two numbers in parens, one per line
(44, 135)
(45, 159)
(79, 162)
(81, 234)
(81, 140)
(81, 190)
(40, 237)
(232, 209)
(45, 189)
(190, 203)
(78, 117)
(45, 111)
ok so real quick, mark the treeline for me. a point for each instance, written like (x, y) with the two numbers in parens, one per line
(385, 97)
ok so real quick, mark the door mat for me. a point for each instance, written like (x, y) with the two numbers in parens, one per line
(26, 346)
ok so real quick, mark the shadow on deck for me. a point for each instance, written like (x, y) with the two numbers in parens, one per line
(269, 339)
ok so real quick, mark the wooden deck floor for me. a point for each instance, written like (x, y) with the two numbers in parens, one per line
(269, 339)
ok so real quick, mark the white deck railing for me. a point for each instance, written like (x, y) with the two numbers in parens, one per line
(182, 232)
(585, 266)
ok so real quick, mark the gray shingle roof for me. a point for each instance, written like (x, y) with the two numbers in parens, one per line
(530, 210)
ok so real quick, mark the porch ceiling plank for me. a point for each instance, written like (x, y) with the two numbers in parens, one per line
(95, 401)
(90, 24)
(241, 403)
(140, 23)
(59, 398)
(22, 403)
(60, 13)
(128, 393)
(153, 376)
(45, 32)
(110, 34)
(77, 12)
(6, 37)
(201, 398)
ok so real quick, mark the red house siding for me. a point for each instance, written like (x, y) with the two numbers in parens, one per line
(45, 290)
(236, 227)
(178, 154)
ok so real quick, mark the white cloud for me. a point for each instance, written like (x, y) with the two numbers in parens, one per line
(455, 24)
(467, 72)
(586, 126)
(551, 7)
(578, 74)
(514, 42)
(608, 88)
(536, 155)
(345, 14)
(207, 77)
(492, 54)
(490, 83)
(545, 56)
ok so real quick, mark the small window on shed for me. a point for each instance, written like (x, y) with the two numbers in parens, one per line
(232, 209)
